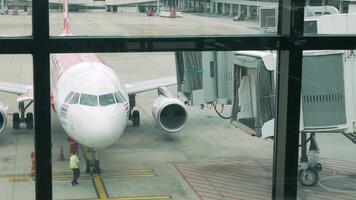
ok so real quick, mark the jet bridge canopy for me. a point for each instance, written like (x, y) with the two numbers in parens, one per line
(205, 77)
(323, 98)
(254, 102)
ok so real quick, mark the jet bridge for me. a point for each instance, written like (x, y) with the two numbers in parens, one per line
(323, 99)
(254, 102)
(205, 77)
(247, 80)
(327, 99)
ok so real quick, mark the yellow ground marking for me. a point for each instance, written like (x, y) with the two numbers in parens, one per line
(15, 178)
(99, 186)
(152, 32)
(244, 128)
(109, 174)
(165, 197)
(114, 171)
(162, 197)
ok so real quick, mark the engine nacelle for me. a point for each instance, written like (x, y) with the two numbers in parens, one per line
(169, 113)
(3, 117)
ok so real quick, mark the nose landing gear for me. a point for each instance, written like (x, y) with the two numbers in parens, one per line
(92, 164)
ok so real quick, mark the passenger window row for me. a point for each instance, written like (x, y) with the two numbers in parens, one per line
(92, 100)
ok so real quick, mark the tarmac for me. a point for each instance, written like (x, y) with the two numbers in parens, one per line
(208, 159)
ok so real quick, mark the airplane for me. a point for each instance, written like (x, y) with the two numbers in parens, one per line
(91, 103)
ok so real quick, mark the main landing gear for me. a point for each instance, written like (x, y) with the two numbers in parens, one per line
(19, 118)
(134, 115)
(92, 164)
(309, 162)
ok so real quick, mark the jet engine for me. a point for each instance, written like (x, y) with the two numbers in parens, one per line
(3, 117)
(168, 112)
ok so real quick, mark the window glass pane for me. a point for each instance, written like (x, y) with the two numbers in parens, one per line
(174, 17)
(75, 99)
(122, 96)
(16, 137)
(327, 164)
(15, 18)
(68, 97)
(118, 97)
(89, 100)
(185, 150)
(106, 99)
(330, 17)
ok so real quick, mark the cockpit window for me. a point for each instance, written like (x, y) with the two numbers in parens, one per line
(74, 99)
(118, 98)
(68, 97)
(122, 96)
(106, 99)
(88, 100)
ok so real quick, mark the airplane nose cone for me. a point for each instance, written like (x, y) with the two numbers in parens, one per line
(101, 127)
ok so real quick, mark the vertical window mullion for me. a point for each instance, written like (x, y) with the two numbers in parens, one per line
(289, 72)
(41, 80)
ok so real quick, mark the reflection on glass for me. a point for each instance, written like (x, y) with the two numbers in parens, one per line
(326, 168)
(15, 17)
(106, 99)
(330, 17)
(75, 98)
(119, 98)
(68, 97)
(88, 99)
(16, 128)
(171, 17)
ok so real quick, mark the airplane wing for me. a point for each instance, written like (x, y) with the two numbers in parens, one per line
(143, 86)
(24, 92)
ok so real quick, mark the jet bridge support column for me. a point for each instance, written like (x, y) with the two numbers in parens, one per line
(216, 8)
(231, 9)
(248, 12)
(211, 6)
(223, 8)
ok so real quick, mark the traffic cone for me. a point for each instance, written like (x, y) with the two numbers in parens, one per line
(61, 154)
(33, 164)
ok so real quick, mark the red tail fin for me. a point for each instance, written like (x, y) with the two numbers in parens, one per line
(66, 18)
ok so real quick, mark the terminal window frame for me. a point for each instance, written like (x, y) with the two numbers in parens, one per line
(289, 42)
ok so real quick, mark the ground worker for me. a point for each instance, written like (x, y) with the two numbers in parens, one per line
(74, 165)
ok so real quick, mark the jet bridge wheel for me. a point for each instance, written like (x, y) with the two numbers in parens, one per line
(308, 177)
(29, 120)
(136, 118)
(16, 120)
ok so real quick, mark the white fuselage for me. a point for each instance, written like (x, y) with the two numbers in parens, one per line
(83, 96)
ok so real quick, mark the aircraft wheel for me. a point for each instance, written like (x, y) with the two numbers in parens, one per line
(16, 121)
(308, 177)
(29, 120)
(136, 118)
